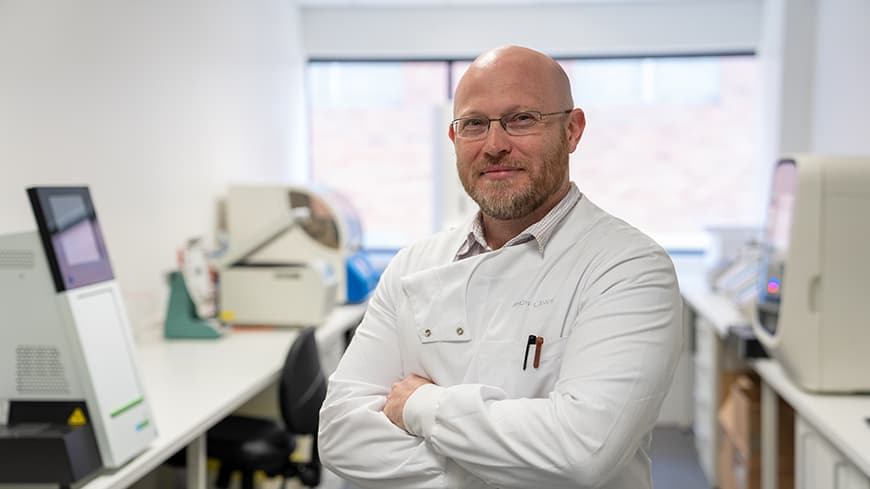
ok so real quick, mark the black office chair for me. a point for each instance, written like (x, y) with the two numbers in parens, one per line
(247, 444)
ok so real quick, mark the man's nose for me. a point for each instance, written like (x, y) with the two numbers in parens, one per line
(497, 142)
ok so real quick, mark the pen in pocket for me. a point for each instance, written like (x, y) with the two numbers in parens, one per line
(530, 342)
(538, 341)
(539, 345)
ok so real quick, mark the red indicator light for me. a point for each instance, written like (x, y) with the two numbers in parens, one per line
(773, 286)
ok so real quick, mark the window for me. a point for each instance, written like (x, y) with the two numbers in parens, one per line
(671, 143)
(373, 130)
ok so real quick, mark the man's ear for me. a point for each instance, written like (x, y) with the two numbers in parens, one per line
(451, 133)
(576, 125)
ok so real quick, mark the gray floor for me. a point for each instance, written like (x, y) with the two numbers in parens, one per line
(674, 461)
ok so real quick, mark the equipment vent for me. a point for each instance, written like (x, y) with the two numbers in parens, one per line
(39, 370)
(16, 259)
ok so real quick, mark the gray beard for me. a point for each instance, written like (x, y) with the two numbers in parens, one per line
(508, 208)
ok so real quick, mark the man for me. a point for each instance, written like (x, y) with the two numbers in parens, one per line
(531, 348)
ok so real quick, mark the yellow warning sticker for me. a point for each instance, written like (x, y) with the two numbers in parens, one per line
(77, 418)
(227, 316)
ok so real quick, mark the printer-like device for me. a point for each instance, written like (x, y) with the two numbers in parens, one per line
(69, 377)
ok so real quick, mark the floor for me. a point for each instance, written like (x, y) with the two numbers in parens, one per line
(675, 461)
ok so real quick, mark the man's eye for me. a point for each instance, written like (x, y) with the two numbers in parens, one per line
(522, 119)
(472, 123)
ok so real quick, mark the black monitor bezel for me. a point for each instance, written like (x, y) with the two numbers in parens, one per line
(67, 276)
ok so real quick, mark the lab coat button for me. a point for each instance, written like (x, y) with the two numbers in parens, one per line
(460, 331)
(427, 333)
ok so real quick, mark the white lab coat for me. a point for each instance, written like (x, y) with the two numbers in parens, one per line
(605, 299)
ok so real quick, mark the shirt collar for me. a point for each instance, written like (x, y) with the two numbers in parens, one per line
(541, 231)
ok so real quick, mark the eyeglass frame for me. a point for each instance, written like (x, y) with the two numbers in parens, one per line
(501, 120)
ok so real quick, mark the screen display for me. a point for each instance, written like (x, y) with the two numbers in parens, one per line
(71, 236)
(75, 231)
(776, 243)
(779, 214)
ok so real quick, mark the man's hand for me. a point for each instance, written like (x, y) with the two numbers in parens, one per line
(398, 396)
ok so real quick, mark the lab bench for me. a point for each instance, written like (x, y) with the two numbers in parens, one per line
(831, 432)
(194, 383)
(832, 435)
(717, 359)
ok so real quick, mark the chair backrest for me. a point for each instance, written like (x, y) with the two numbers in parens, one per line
(303, 385)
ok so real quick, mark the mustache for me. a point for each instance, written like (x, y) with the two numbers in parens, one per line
(499, 161)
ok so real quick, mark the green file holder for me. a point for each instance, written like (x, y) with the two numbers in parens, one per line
(181, 319)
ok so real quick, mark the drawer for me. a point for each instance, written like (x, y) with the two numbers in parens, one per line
(819, 464)
(702, 430)
(707, 344)
(705, 423)
(707, 362)
(705, 384)
(707, 459)
(704, 394)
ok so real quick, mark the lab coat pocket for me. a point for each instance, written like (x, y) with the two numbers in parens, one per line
(436, 301)
(500, 364)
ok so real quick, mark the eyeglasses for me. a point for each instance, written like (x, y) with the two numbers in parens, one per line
(515, 123)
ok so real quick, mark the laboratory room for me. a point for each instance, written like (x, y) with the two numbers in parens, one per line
(414, 244)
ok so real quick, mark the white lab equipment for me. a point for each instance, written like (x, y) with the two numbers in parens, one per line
(276, 293)
(326, 228)
(813, 312)
(68, 366)
(191, 311)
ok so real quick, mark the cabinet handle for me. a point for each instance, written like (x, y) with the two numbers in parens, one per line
(837, 466)
(805, 438)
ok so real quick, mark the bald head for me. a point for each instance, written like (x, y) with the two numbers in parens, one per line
(517, 170)
(515, 68)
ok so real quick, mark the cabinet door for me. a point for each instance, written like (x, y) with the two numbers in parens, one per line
(846, 476)
(818, 464)
(677, 407)
(706, 397)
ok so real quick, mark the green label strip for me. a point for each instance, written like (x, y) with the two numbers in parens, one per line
(126, 407)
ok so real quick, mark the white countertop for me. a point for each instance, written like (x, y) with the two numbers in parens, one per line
(839, 418)
(194, 383)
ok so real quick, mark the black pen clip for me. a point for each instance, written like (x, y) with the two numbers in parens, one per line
(529, 343)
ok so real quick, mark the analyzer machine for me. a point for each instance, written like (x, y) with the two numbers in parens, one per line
(294, 253)
(69, 378)
(813, 309)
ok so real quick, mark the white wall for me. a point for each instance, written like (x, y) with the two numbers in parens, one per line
(787, 55)
(586, 28)
(842, 78)
(816, 59)
(156, 106)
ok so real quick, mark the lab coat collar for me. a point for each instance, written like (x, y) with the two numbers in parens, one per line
(541, 231)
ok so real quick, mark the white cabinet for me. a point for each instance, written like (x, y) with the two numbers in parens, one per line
(715, 366)
(707, 359)
(677, 407)
(819, 465)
